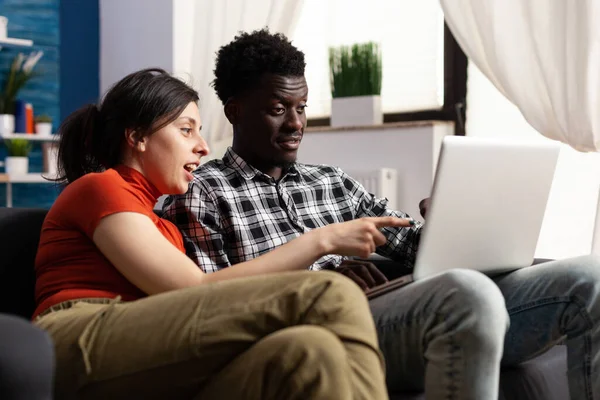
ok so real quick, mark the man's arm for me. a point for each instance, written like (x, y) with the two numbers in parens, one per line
(402, 243)
(196, 216)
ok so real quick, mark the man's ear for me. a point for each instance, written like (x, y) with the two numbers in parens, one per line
(232, 111)
(134, 140)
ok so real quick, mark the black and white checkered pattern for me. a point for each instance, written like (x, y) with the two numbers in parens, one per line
(234, 213)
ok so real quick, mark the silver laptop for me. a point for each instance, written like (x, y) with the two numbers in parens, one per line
(487, 205)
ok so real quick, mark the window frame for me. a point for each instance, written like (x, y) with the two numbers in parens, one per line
(455, 92)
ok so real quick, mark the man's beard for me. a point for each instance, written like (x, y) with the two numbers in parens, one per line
(284, 165)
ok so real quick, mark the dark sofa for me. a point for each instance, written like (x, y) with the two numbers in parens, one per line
(543, 378)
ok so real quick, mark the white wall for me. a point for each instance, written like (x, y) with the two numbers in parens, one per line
(183, 37)
(569, 220)
(411, 150)
(134, 34)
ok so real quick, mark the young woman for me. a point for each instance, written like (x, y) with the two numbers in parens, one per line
(132, 317)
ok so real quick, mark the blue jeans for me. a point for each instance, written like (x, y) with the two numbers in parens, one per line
(450, 333)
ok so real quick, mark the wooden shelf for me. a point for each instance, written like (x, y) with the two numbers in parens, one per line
(34, 177)
(14, 42)
(9, 180)
(29, 136)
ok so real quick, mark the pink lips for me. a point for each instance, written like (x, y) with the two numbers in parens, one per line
(188, 175)
(290, 143)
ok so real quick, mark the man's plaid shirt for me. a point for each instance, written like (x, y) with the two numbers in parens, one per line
(233, 213)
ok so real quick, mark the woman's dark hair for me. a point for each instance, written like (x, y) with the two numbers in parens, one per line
(241, 63)
(92, 138)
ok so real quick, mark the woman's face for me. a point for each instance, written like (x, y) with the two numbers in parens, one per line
(169, 155)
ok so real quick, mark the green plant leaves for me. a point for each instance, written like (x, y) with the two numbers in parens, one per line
(355, 70)
(43, 118)
(21, 71)
(18, 147)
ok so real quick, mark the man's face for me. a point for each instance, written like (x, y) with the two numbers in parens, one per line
(271, 121)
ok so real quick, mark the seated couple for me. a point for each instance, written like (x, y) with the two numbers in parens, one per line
(129, 312)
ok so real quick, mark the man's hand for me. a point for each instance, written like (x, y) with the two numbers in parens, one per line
(423, 206)
(363, 273)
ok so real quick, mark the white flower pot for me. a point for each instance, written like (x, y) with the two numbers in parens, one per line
(7, 123)
(3, 26)
(356, 111)
(16, 165)
(43, 128)
(49, 158)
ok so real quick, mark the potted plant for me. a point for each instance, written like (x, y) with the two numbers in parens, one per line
(20, 72)
(17, 161)
(43, 124)
(356, 85)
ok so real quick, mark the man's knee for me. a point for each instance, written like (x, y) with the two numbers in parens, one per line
(477, 302)
(581, 277)
(584, 269)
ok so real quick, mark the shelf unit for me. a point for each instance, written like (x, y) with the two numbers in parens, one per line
(29, 136)
(36, 177)
(33, 177)
(15, 43)
(28, 178)
(9, 180)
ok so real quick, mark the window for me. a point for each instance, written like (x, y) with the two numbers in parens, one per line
(411, 34)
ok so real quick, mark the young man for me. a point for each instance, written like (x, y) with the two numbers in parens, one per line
(447, 334)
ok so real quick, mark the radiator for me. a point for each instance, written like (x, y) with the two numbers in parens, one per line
(382, 182)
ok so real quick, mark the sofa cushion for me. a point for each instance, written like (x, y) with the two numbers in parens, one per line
(19, 237)
(542, 378)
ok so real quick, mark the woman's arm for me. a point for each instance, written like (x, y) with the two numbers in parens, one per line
(133, 244)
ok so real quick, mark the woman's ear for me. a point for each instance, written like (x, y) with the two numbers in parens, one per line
(232, 111)
(134, 141)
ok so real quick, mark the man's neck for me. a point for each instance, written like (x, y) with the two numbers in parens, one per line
(275, 172)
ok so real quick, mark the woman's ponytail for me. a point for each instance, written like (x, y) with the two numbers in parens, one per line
(76, 155)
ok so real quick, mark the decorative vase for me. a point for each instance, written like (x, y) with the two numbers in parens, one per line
(3, 27)
(16, 165)
(43, 128)
(356, 111)
(49, 158)
(7, 124)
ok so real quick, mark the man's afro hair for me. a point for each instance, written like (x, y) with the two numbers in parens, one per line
(241, 63)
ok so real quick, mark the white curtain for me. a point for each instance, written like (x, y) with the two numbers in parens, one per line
(543, 55)
(216, 23)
